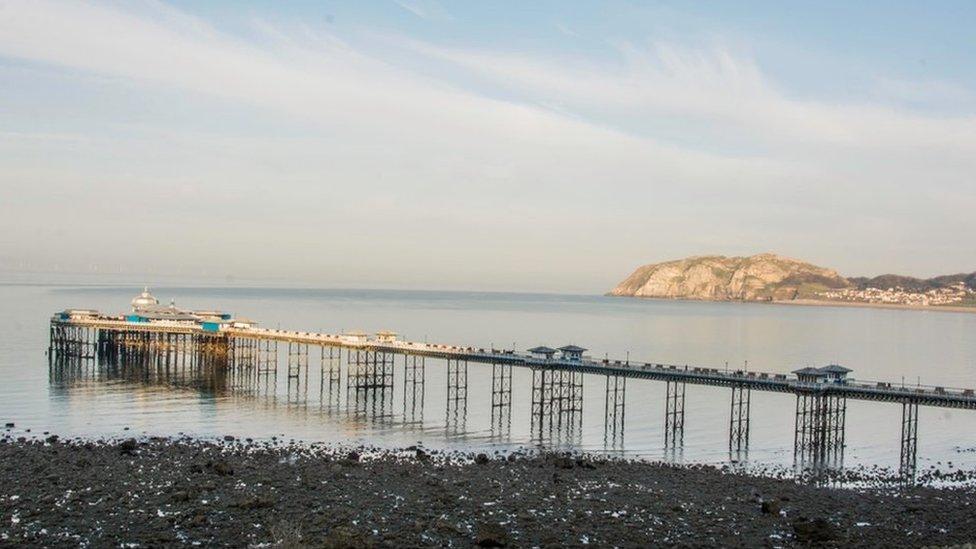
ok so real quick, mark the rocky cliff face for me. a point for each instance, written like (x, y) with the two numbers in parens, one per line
(758, 277)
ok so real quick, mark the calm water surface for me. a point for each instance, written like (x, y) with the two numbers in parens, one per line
(938, 348)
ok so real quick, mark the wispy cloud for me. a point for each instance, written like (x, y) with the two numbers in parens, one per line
(665, 149)
(411, 7)
(727, 91)
(425, 9)
(564, 29)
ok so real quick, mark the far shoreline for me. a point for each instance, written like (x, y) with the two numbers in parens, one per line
(816, 303)
(819, 303)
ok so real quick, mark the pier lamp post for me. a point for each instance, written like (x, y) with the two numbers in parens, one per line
(628, 358)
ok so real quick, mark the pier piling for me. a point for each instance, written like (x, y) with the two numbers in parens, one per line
(739, 421)
(819, 429)
(613, 422)
(414, 374)
(501, 398)
(367, 369)
(674, 415)
(457, 394)
(909, 439)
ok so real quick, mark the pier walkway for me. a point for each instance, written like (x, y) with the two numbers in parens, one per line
(761, 381)
(821, 394)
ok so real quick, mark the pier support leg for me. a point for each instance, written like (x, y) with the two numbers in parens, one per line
(370, 376)
(819, 429)
(414, 373)
(674, 415)
(570, 400)
(234, 352)
(297, 363)
(501, 398)
(383, 371)
(501, 385)
(613, 423)
(457, 381)
(297, 360)
(909, 440)
(356, 365)
(560, 393)
(739, 421)
(268, 357)
(369, 369)
(330, 374)
(267, 366)
(245, 361)
(542, 401)
(457, 393)
(557, 402)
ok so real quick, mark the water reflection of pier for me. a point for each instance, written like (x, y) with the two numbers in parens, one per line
(249, 361)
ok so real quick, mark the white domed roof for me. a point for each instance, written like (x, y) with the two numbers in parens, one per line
(143, 300)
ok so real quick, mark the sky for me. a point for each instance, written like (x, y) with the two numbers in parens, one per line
(543, 146)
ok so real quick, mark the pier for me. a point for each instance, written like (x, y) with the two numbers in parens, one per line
(177, 340)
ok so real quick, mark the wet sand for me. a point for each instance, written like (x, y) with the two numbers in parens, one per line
(161, 492)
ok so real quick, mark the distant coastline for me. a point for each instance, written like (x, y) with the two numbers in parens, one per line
(771, 278)
(828, 303)
(816, 303)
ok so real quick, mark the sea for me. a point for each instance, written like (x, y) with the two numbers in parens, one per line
(901, 346)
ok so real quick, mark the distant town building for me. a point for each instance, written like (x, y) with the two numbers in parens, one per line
(955, 294)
